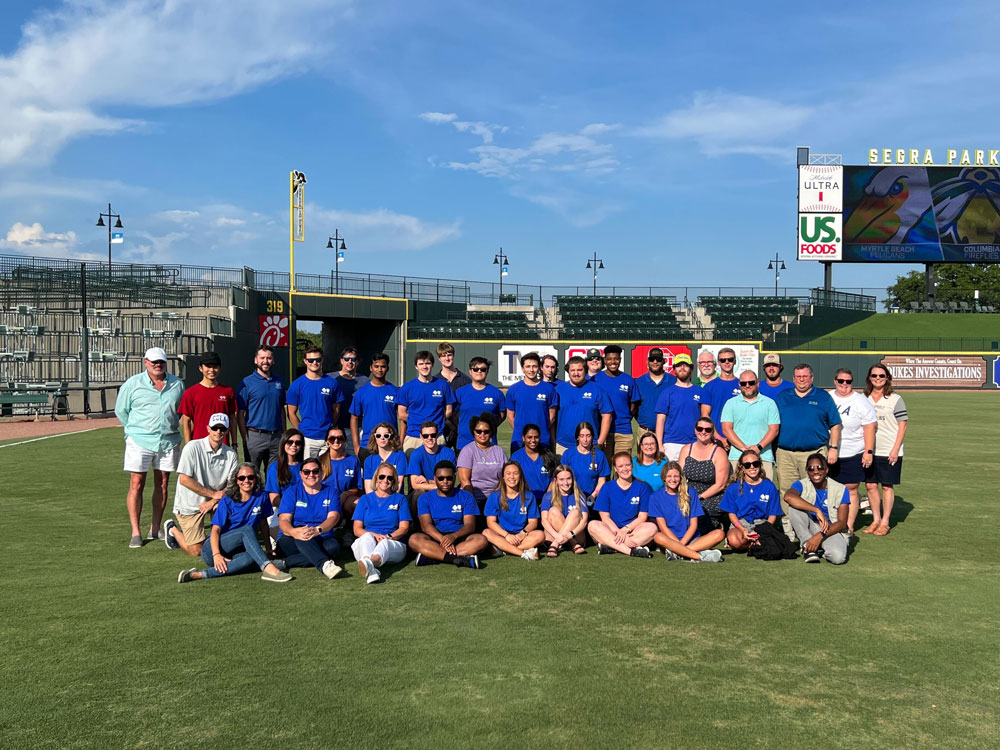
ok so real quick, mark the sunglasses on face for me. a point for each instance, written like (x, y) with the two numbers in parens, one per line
(814, 469)
(748, 383)
(335, 439)
(751, 464)
(430, 436)
(655, 359)
(445, 478)
(873, 376)
(313, 360)
(248, 478)
(309, 472)
(350, 359)
(726, 360)
(480, 369)
(382, 436)
(218, 428)
(480, 431)
(384, 477)
(703, 364)
(157, 362)
(294, 442)
(845, 381)
(703, 429)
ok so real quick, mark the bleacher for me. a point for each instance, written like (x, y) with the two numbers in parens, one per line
(742, 317)
(476, 324)
(619, 317)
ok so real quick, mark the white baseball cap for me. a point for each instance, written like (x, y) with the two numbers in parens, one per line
(155, 354)
(219, 418)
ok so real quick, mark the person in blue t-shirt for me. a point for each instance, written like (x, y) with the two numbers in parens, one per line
(478, 397)
(535, 461)
(650, 386)
(822, 523)
(773, 384)
(676, 509)
(341, 470)
(284, 472)
(564, 513)
(373, 402)
(512, 516)
(308, 515)
(233, 546)
(313, 402)
(381, 522)
(752, 499)
(383, 447)
(624, 397)
(420, 468)
(447, 523)
(581, 400)
(425, 398)
(648, 465)
(623, 505)
(717, 391)
(678, 409)
(532, 401)
(589, 465)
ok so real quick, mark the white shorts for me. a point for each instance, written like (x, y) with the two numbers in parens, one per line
(314, 448)
(138, 460)
(672, 450)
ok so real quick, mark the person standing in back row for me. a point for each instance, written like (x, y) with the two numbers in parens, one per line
(772, 384)
(719, 390)
(650, 386)
(620, 389)
(581, 400)
(314, 402)
(479, 397)
(349, 382)
(261, 403)
(457, 379)
(206, 398)
(426, 398)
(531, 401)
(374, 403)
(677, 409)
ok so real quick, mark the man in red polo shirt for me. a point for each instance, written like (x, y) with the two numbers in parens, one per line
(206, 398)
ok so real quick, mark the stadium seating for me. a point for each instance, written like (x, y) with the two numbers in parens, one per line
(619, 317)
(742, 317)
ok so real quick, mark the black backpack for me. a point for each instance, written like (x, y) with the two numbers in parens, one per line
(772, 544)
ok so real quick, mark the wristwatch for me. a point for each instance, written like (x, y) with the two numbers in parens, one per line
(833, 447)
(870, 452)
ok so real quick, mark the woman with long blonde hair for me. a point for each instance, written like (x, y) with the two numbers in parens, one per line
(676, 509)
(564, 516)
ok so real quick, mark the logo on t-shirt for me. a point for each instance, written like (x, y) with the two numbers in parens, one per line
(634, 500)
(326, 503)
(255, 511)
(395, 506)
(542, 397)
(325, 391)
(587, 394)
(697, 397)
(488, 401)
(436, 393)
(623, 387)
(390, 398)
(456, 508)
(348, 472)
(524, 511)
(301, 504)
(764, 498)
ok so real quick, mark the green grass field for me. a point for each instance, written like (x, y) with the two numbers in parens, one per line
(102, 648)
(915, 331)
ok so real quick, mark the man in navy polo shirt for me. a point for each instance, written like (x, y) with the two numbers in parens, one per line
(313, 402)
(261, 416)
(650, 387)
(581, 400)
(624, 397)
(426, 398)
(373, 403)
(810, 423)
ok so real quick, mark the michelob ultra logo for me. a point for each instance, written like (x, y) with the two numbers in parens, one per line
(820, 236)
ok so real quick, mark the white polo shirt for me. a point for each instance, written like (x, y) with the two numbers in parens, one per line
(207, 467)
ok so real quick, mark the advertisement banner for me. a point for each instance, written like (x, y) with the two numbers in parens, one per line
(273, 330)
(637, 365)
(936, 371)
(820, 236)
(747, 356)
(509, 361)
(821, 189)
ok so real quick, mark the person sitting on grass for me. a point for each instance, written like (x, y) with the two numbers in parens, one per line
(381, 521)
(423, 461)
(623, 505)
(751, 499)
(590, 466)
(233, 546)
(563, 513)
(817, 510)
(512, 515)
(676, 509)
(535, 461)
(447, 522)
(307, 516)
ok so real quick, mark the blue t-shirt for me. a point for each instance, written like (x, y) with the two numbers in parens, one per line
(515, 518)
(534, 473)
(622, 393)
(806, 420)
(345, 474)
(587, 468)
(471, 403)
(755, 502)
(821, 500)
(315, 400)
(232, 514)
(425, 402)
(772, 391)
(585, 403)
(531, 404)
(348, 386)
(447, 512)
(422, 463)
(649, 394)
(623, 505)
(568, 503)
(309, 510)
(374, 404)
(664, 505)
(382, 515)
(396, 458)
(271, 483)
(682, 406)
(716, 393)
(650, 473)
(263, 399)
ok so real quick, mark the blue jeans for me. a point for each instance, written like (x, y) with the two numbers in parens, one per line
(316, 551)
(242, 538)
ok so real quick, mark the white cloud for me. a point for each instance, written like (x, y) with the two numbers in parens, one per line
(577, 209)
(484, 130)
(225, 221)
(85, 56)
(557, 152)
(438, 117)
(88, 190)
(32, 239)
(380, 230)
(597, 128)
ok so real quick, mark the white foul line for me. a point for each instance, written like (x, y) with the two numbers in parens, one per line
(61, 434)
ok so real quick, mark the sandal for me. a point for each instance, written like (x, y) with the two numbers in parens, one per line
(881, 531)
(553, 551)
(578, 549)
(869, 529)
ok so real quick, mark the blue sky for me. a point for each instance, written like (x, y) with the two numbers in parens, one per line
(434, 132)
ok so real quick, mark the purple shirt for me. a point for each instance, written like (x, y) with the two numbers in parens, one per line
(485, 465)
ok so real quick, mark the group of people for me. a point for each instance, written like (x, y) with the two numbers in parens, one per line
(339, 459)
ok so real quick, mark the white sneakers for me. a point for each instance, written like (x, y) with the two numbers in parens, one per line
(331, 570)
(710, 555)
(530, 554)
(370, 573)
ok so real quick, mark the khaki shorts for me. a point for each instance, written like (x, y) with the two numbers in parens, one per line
(411, 443)
(192, 527)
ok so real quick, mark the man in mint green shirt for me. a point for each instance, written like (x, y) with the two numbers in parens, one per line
(147, 408)
(751, 420)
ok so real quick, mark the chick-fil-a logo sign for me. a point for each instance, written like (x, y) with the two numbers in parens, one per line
(274, 330)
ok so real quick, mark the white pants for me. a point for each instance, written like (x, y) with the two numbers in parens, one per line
(313, 448)
(672, 450)
(388, 549)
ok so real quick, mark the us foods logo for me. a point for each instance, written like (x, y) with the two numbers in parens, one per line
(820, 236)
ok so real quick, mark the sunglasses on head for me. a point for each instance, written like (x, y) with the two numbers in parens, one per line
(845, 381)
(429, 436)
(747, 383)
(703, 429)
(313, 360)
(480, 369)
(751, 464)
(384, 477)
(727, 360)
(309, 472)
(246, 478)
(335, 439)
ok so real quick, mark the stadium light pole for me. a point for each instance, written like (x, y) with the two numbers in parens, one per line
(772, 265)
(598, 265)
(118, 225)
(337, 244)
(501, 260)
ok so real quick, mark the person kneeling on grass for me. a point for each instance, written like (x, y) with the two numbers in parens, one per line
(233, 546)
(623, 505)
(447, 523)
(752, 499)
(676, 509)
(512, 515)
(563, 513)
(817, 510)
(307, 516)
(381, 520)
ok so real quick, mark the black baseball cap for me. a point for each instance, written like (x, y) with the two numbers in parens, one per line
(594, 354)
(655, 355)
